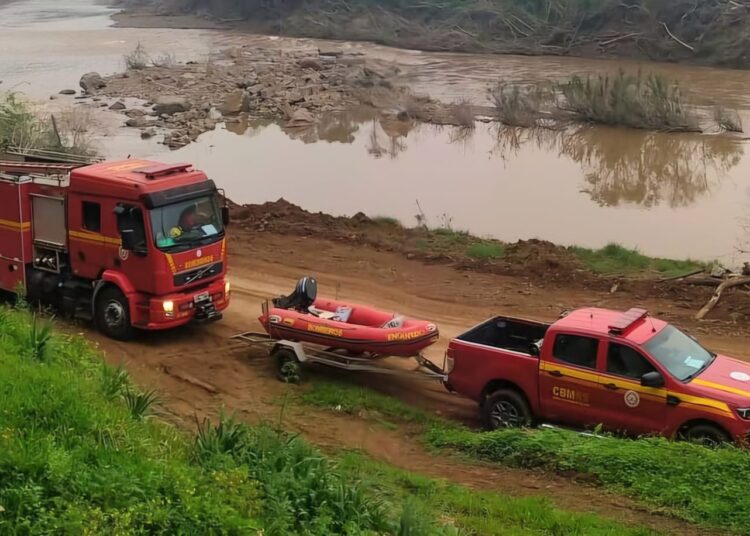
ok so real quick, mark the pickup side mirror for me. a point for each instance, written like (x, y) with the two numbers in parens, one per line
(652, 379)
(225, 215)
(534, 349)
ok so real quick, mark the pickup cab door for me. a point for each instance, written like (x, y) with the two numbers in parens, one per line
(569, 386)
(628, 406)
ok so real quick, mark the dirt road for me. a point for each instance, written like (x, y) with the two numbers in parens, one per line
(199, 374)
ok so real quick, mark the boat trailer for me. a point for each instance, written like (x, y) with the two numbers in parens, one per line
(289, 356)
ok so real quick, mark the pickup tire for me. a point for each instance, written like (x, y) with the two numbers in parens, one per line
(705, 434)
(112, 314)
(506, 408)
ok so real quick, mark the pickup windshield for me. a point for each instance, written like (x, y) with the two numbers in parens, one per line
(187, 224)
(681, 355)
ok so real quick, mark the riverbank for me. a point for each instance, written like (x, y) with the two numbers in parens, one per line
(541, 264)
(709, 34)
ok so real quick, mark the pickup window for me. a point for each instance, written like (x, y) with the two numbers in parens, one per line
(513, 335)
(624, 361)
(576, 350)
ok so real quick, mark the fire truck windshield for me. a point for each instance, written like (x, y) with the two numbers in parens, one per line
(682, 356)
(187, 224)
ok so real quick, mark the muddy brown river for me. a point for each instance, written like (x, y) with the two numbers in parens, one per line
(673, 195)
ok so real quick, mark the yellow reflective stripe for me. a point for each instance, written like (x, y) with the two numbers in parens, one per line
(573, 372)
(94, 237)
(16, 225)
(172, 265)
(634, 386)
(705, 402)
(721, 387)
(223, 247)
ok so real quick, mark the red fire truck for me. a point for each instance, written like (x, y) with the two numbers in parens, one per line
(132, 244)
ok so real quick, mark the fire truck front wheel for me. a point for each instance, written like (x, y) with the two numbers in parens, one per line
(113, 314)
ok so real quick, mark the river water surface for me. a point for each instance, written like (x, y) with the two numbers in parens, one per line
(674, 195)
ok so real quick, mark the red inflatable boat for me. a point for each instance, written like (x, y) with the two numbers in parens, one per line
(303, 317)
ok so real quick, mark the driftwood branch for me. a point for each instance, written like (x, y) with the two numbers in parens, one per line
(728, 283)
(678, 40)
(682, 276)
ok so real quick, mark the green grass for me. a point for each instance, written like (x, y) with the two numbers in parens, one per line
(485, 250)
(694, 483)
(616, 259)
(76, 458)
(470, 511)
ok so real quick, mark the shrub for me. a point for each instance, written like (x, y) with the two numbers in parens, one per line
(648, 102)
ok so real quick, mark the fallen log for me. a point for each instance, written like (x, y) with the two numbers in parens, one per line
(682, 276)
(728, 283)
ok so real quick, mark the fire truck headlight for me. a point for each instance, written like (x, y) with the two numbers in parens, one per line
(227, 288)
(168, 306)
(744, 413)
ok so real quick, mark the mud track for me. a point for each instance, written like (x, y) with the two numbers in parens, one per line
(199, 374)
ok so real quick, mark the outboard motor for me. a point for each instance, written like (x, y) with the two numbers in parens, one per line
(301, 298)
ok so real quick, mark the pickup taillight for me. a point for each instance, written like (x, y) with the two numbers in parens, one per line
(449, 361)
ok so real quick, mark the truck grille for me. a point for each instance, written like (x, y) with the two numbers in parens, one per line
(198, 275)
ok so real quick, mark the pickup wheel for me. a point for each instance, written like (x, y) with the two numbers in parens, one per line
(505, 408)
(707, 435)
(112, 314)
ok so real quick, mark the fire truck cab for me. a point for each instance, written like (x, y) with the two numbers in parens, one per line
(131, 244)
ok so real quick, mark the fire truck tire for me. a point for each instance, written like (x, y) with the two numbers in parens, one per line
(705, 434)
(506, 408)
(113, 314)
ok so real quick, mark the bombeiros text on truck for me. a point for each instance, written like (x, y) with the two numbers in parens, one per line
(626, 371)
(133, 244)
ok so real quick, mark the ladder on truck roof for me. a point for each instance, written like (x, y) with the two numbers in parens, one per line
(53, 157)
(25, 171)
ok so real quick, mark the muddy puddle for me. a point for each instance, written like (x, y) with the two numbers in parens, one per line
(666, 194)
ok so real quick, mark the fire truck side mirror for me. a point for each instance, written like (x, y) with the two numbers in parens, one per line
(128, 239)
(225, 215)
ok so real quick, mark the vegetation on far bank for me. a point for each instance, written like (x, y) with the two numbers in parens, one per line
(82, 453)
(640, 101)
(612, 259)
(689, 481)
(714, 33)
(25, 128)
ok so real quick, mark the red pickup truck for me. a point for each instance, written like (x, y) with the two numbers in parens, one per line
(627, 371)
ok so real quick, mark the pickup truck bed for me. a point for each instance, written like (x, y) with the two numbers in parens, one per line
(507, 334)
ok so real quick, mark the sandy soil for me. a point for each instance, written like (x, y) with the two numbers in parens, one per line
(265, 264)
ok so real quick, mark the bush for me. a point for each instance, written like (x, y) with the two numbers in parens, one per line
(636, 101)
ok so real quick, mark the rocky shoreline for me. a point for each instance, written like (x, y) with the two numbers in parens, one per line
(180, 101)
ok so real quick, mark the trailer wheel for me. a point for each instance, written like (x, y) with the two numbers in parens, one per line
(112, 314)
(505, 408)
(707, 435)
(288, 367)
